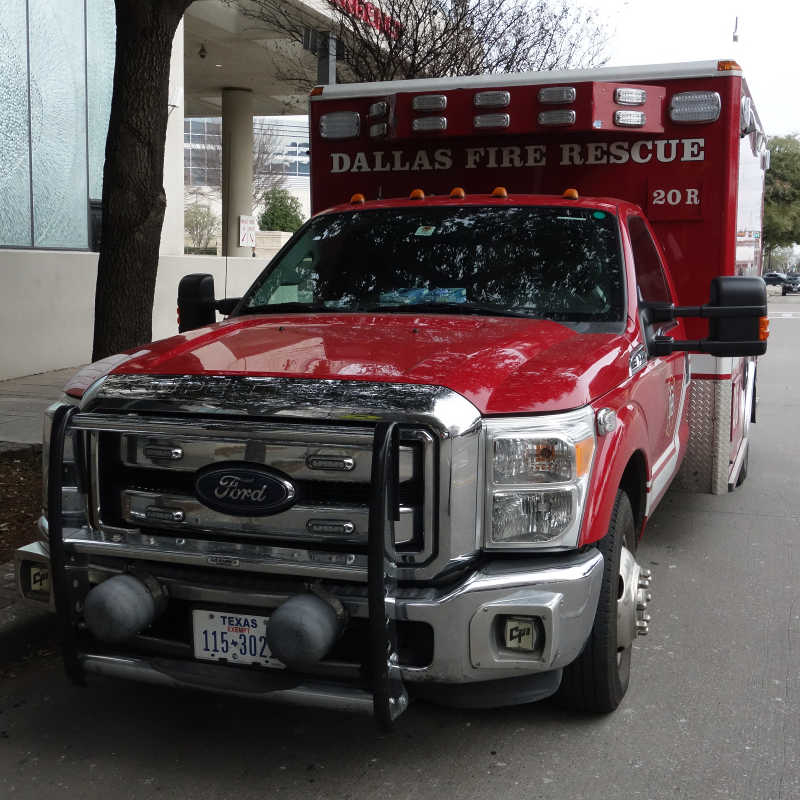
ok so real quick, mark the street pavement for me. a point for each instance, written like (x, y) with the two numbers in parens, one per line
(23, 401)
(713, 710)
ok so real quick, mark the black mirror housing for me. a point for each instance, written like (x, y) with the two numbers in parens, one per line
(728, 292)
(737, 317)
(196, 305)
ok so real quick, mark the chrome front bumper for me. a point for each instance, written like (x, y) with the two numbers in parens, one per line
(559, 591)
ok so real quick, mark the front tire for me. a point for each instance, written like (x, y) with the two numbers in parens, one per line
(598, 679)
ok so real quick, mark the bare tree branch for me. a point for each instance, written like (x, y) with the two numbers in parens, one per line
(402, 39)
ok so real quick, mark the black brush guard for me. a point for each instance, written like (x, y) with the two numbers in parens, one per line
(382, 669)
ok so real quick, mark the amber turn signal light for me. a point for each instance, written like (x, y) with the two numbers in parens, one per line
(763, 329)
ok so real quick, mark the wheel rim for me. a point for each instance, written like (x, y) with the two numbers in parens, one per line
(626, 607)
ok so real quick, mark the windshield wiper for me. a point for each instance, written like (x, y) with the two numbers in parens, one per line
(449, 308)
(274, 308)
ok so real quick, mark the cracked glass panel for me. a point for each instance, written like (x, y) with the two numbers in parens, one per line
(15, 187)
(58, 123)
(100, 41)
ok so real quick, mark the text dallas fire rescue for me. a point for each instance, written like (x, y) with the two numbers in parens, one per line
(533, 155)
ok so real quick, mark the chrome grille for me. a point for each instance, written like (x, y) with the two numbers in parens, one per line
(144, 468)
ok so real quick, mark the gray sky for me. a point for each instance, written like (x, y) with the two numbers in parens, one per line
(768, 50)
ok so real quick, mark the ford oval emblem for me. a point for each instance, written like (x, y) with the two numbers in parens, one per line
(243, 489)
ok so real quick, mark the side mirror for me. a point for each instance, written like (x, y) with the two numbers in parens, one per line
(737, 314)
(196, 305)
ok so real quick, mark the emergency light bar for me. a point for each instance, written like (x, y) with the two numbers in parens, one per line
(429, 124)
(499, 99)
(557, 94)
(695, 107)
(629, 119)
(561, 117)
(429, 102)
(629, 97)
(340, 125)
(378, 110)
(492, 121)
(378, 129)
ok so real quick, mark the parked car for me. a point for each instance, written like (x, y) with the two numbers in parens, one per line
(791, 284)
(775, 278)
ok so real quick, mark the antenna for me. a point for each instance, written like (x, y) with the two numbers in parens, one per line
(736, 30)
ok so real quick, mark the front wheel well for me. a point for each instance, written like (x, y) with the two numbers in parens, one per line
(634, 483)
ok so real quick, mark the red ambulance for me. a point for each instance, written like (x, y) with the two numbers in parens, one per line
(417, 456)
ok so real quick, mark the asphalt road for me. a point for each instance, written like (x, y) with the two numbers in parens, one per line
(713, 709)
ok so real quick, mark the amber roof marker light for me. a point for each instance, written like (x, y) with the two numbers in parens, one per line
(358, 199)
(728, 66)
(457, 192)
(417, 194)
(570, 194)
(499, 191)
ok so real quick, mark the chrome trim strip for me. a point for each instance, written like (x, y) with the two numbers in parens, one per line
(139, 508)
(448, 412)
(124, 543)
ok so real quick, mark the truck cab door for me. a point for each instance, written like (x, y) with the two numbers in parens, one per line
(662, 384)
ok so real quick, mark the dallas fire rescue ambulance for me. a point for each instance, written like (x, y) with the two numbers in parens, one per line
(416, 457)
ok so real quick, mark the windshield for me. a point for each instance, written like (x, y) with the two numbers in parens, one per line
(548, 262)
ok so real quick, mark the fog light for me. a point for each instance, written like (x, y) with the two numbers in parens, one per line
(521, 633)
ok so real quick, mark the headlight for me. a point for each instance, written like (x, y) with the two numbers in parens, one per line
(537, 471)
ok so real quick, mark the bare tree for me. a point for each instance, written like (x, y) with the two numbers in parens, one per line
(268, 172)
(200, 224)
(402, 39)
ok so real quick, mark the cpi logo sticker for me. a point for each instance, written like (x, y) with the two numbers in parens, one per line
(243, 489)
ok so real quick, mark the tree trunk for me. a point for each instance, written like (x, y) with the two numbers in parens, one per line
(133, 192)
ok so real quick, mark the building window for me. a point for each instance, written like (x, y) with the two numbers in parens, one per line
(54, 118)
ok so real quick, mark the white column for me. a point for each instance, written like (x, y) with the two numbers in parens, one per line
(172, 230)
(237, 166)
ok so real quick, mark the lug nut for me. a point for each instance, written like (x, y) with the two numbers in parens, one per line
(642, 628)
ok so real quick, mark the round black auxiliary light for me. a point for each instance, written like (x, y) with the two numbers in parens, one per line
(301, 632)
(123, 606)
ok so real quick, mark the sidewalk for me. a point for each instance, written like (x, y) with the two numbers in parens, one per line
(22, 402)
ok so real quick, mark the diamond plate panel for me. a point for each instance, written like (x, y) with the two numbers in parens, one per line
(705, 468)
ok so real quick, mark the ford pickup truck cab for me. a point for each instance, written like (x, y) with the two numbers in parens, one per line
(414, 460)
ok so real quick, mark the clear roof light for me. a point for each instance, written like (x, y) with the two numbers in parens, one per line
(340, 125)
(557, 117)
(492, 121)
(695, 107)
(557, 94)
(378, 129)
(430, 124)
(379, 109)
(629, 119)
(494, 99)
(625, 96)
(429, 102)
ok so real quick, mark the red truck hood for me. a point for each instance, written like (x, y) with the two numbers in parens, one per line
(502, 365)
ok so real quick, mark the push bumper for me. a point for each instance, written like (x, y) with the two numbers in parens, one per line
(558, 593)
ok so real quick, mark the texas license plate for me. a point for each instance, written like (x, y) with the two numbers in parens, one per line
(233, 638)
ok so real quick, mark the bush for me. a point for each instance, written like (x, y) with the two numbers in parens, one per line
(282, 211)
